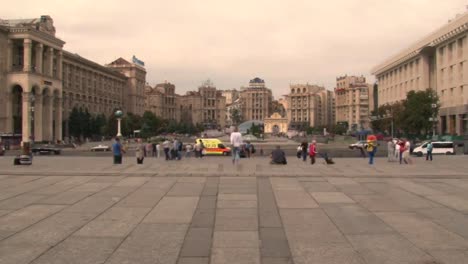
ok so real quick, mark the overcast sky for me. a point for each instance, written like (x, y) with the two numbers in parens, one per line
(231, 42)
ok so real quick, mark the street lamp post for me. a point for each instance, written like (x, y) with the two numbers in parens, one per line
(118, 115)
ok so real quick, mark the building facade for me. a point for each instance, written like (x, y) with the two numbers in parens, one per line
(352, 102)
(40, 83)
(437, 61)
(309, 106)
(256, 100)
(31, 79)
(207, 106)
(163, 101)
(230, 95)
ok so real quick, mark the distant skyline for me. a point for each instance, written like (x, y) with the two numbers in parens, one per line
(232, 42)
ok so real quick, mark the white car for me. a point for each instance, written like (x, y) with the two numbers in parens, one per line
(100, 148)
(438, 147)
(358, 145)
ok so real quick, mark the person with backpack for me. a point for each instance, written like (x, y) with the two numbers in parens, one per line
(371, 149)
(312, 152)
(429, 148)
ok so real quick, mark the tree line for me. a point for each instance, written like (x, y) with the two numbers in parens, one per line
(411, 117)
(83, 124)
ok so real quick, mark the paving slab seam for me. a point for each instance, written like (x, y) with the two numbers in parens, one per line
(79, 227)
(129, 233)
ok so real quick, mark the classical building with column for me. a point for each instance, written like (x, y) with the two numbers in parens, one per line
(256, 100)
(352, 102)
(40, 83)
(309, 106)
(31, 79)
(437, 61)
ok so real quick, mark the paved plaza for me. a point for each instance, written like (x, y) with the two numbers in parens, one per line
(87, 210)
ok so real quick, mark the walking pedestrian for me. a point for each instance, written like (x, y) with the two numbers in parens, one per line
(154, 149)
(188, 150)
(397, 151)
(390, 150)
(139, 152)
(247, 149)
(117, 151)
(429, 150)
(166, 149)
(304, 150)
(158, 150)
(312, 152)
(148, 147)
(236, 142)
(406, 153)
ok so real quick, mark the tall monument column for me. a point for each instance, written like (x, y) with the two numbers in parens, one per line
(39, 54)
(38, 111)
(26, 107)
(58, 119)
(27, 55)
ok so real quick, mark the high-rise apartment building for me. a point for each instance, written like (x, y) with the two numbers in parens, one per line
(207, 106)
(437, 61)
(309, 106)
(162, 101)
(352, 102)
(256, 100)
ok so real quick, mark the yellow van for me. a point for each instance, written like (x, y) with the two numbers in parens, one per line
(214, 146)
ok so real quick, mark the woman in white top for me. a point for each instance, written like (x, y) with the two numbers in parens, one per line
(236, 142)
(406, 153)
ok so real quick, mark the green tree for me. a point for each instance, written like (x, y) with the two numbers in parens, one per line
(74, 123)
(418, 110)
(236, 116)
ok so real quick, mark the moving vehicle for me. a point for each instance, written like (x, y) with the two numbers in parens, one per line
(214, 146)
(100, 148)
(358, 145)
(438, 147)
(46, 149)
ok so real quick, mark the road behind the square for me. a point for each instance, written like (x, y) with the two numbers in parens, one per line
(194, 211)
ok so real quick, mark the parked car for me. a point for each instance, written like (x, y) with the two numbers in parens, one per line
(358, 145)
(438, 147)
(46, 149)
(100, 148)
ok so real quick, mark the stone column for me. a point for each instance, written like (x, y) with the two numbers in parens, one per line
(27, 55)
(39, 54)
(458, 124)
(59, 65)
(38, 111)
(58, 119)
(50, 61)
(47, 118)
(9, 55)
(26, 108)
(9, 112)
(424, 73)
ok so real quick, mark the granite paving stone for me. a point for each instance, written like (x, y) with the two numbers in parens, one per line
(270, 260)
(27, 216)
(236, 219)
(236, 204)
(450, 219)
(453, 201)
(80, 250)
(422, 232)
(67, 197)
(274, 243)
(450, 256)
(207, 202)
(145, 198)
(132, 181)
(94, 203)
(4, 212)
(177, 210)
(294, 199)
(236, 239)
(235, 256)
(115, 222)
(319, 186)
(341, 253)
(193, 260)
(51, 230)
(186, 189)
(20, 253)
(197, 242)
(353, 219)
(388, 248)
(20, 201)
(203, 217)
(149, 244)
(331, 197)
